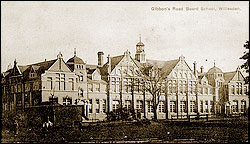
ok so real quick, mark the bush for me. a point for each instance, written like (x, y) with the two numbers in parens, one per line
(8, 119)
(67, 115)
(121, 114)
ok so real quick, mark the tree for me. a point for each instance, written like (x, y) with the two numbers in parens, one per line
(153, 80)
(246, 57)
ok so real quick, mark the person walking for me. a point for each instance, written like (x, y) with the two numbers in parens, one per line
(16, 127)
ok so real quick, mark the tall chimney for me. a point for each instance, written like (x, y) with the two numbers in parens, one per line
(202, 68)
(195, 71)
(100, 58)
(109, 63)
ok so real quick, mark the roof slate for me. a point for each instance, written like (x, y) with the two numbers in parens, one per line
(75, 60)
(166, 66)
(228, 76)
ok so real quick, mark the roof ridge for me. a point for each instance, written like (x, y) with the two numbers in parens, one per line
(42, 62)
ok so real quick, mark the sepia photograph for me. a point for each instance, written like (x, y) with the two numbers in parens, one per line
(124, 71)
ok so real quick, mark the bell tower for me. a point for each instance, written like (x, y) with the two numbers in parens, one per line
(140, 53)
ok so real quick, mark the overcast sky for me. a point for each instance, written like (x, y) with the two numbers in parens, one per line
(34, 31)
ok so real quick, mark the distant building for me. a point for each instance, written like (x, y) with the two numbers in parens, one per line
(108, 86)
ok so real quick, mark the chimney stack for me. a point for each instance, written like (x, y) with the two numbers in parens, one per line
(195, 71)
(202, 68)
(109, 63)
(100, 58)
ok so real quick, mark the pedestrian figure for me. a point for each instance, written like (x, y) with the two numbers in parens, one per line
(46, 127)
(16, 127)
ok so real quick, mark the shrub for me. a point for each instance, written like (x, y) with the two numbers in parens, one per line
(121, 114)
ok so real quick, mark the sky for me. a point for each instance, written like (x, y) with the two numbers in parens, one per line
(34, 31)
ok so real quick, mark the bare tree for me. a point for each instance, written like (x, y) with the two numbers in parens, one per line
(153, 79)
(246, 57)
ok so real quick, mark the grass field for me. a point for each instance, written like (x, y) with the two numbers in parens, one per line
(217, 131)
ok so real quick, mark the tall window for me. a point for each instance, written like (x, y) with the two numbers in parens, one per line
(118, 86)
(172, 106)
(182, 106)
(67, 101)
(58, 80)
(170, 88)
(136, 85)
(245, 90)
(104, 105)
(81, 93)
(97, 106)
(115, 105)
(211, 106)
(206, 90)
(90, 106)
(150, 106)
(161, 106)
(71, 80)
(90, 87)
(240, 88)
(192, 106)
(113, 85)
(243, 106)
(237, 88)
(235, 106)
(201, 106)
(139, 104)
(232, 89)
(97, 88)
(126, 85)
(129, 84)
(181, 87)
(206, 106)
(127, 104)
(63, 81)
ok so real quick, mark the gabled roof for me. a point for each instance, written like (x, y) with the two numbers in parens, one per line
(90, 71)
(228, 76)
(4, 74)
(114, 61)
(42, 66)
(35, 67)
(22, 68)
(165, 66)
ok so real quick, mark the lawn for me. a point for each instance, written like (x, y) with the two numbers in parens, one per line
(160, 131)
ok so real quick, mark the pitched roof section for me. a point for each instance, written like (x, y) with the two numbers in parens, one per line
(214, 70)
(4, 74)
(166, 66)
(90, 71)
(114, 61)
(75, 60)
(43, 65)
(228, 76)
(22, 68)
(89, 66)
